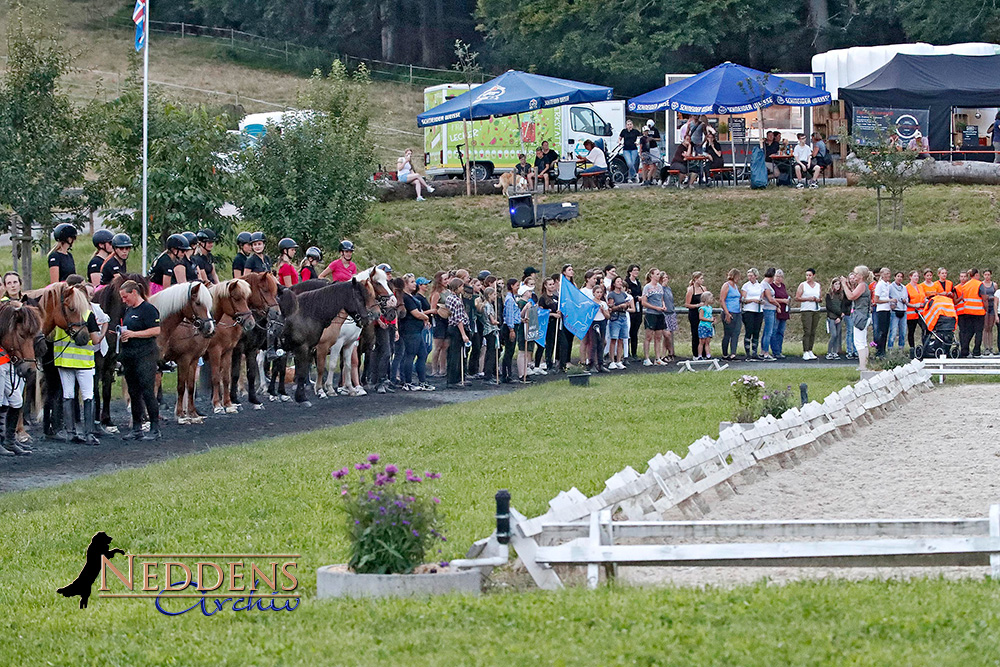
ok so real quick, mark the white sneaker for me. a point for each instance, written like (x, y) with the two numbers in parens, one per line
(430, 188)
(799, 185)
(540, 371)
(647, 362)
(544, 366)
(420, 199)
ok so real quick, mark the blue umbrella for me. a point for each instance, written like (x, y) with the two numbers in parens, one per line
(728, 89)
(513, 93)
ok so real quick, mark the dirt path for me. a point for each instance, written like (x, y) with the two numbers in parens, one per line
(929, 459)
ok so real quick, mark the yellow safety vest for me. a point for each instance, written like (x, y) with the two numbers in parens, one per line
(70, 355)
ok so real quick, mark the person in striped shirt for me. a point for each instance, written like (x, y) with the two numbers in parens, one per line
(458, 324)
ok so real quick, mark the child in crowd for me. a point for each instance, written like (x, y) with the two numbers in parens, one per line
(598, 330)
(490, 335)
(706, 328)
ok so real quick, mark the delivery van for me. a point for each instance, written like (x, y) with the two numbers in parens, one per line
(496, 142)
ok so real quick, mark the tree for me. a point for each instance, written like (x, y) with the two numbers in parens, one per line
(467, 63)
(310, 179)
(43, 150)
(882, 166)
(187, 180)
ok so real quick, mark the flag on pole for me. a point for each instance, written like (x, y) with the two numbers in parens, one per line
(543, 325)
(577, 308)
(139, 18)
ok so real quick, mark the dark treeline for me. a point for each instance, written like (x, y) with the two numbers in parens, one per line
(625, 43)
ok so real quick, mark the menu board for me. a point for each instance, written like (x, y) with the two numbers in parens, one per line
(872, 123)
(738, 129)
(970, 136)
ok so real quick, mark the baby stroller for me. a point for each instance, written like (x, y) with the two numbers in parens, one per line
(939, 343)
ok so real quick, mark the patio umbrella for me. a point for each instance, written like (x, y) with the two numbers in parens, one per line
(728, 89)
(513, 93)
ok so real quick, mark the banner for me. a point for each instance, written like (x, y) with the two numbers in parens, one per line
(543, 325)
(578, 310)
(531, 322)
(871, 123)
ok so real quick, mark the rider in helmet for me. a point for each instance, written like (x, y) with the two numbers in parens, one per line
(258, 262)
(243, 250)
(61, 264)
(307, 268)
(121, 244)
(342, 268)
(204, 260)
(170, 266)
(287, 274)
(102, 241)
(190, 268)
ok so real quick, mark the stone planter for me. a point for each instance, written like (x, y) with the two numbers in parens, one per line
(746, 426)
(579, 379)
(868, 375)
(336, 581)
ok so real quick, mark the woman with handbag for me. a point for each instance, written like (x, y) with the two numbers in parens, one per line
(857, 292)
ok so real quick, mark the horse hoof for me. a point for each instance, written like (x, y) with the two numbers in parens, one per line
(231, 410)
(306, 404)
(183, 421)
(272, 398)
(110, 430)
(285, 398)
(198, 420)
(258, 406)
(219, 410)
(320, 394)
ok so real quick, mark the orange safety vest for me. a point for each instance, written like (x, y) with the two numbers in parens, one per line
(971, 303)
(938, 307)
(4, 357)
(915, 300)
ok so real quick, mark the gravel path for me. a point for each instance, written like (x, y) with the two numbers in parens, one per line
(930, 459)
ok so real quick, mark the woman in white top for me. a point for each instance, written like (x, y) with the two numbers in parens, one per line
(405, 173)
(808, 295)
(752, 295)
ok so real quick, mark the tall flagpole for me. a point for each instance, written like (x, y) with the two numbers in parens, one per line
(145, 136)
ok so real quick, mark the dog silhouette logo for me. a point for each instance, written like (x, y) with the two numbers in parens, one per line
(91, 568)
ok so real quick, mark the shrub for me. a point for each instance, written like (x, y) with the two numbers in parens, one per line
(775, 403)
(893, 358)
(746, 393)
(391, 524)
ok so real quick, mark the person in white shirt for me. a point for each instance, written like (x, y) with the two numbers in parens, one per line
(595, 156)
(883, 310)
(752, 295)
(803, 154)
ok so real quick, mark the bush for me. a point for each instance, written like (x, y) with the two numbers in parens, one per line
(746, 393)
(390, 524)
(893, 358)
(776, 403)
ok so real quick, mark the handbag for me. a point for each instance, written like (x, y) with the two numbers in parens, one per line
(859, 318)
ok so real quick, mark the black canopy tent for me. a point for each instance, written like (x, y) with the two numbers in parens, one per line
(935, 83)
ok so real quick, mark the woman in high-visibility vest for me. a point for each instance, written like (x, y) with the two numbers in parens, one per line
(74, 358)
(914, 305)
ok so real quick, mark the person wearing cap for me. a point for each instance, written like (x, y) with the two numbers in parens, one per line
(529, 272)
(121, 245)
(61, 264)
(169, 267)
(385, 337)
(288, 275)
(918, 144)
(243, 250)
(102, 243)
(190, 269)
(342, 268)
(415, 320)
(307, 267)
(654, 140)
(259, 261)
(204, 260)
(484, 274)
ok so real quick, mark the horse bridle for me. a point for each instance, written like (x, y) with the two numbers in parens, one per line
(72, 328)
(195, 321)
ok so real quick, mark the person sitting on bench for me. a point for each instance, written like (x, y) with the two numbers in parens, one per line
(595, 156)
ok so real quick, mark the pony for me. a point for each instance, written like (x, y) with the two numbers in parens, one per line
(287, 302)
(233, 319)
(110, 301)
(65, 307)
(22, 342)
(186, 326)
(263, 303)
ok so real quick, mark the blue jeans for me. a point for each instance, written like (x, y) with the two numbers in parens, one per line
(778, 336)
(414, 354)
(897, 330)
(849, 334)
(632, 160)
(618, 329)
(766, 330)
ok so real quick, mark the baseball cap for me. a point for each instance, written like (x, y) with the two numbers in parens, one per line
(423, 281)
(649, 123)
(484, 274)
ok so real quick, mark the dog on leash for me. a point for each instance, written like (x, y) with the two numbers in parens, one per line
(511, 181)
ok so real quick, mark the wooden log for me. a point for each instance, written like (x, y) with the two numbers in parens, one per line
(960, 171)
(396, 191)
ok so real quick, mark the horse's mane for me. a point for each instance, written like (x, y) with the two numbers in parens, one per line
(105, 297)
(221, 290)
(172, 299)
(52, 296)
(18, 321)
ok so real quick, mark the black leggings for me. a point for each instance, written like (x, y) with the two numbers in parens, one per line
(140, 377)
(911, 326)
(565, 347)
(634, 322)
(693, 321)
(751, 331)
(882, 322)
(550, 341)
(509, 350)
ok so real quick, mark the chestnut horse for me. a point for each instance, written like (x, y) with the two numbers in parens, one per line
(22, 342)
(263, 303)
(65, 307)
(110, 301)
(232, 319)
(186, 327)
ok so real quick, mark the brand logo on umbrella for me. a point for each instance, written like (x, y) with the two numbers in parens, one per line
(609, 94)
(673, 105)
(494, 93)
(532, 105)
(723, 110)
(780, 99)
(631, 106)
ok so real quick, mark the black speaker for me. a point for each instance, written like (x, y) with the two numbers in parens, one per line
(522, 212)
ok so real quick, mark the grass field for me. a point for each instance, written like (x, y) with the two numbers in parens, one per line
(276, 496)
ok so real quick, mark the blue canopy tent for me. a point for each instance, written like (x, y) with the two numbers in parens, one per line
(513, 93)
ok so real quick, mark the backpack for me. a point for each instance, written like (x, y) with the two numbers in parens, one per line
(758, 170)
(784, 177)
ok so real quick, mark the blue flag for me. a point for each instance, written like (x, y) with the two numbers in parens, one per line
(578, 310)
(139, 18)
(543, 325)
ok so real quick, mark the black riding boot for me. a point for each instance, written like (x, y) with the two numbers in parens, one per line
(68, 432)
(14, 416)
(89, 437)
(8, 444)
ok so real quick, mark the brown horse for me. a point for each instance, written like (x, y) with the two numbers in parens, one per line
(263, 304)
(186, 326)
(232, 319)
(21, 343)
(63, 306)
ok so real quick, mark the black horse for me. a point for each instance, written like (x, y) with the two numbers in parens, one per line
(287, 303)
(263, 303)
(311, 312)
(110, 301)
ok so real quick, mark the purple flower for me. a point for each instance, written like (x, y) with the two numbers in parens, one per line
(338, 474)
(432, 475)
(373, 458)
(362, 466)
(765, 397)
(381, 510)
(443, 563)
(380, 479)
(415, 532)
(435, 500)
(391, 470)
(406, 523)
(343, 491)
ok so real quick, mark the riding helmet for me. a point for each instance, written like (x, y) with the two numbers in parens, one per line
(191, 237)
(257, 236)
(315, 253)
(346, 245)
(121, 241)
(207, 236)
(177, 242)
(64, 232)
(243, 238)
(102, 236)
(286, 244)
(385, 267)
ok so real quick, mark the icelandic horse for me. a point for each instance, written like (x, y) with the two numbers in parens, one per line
(65, 307)
(186, 328)
(22, 343)
(263, 303)
(232, 319)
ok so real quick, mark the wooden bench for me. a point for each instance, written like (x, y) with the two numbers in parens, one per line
(693, 365)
